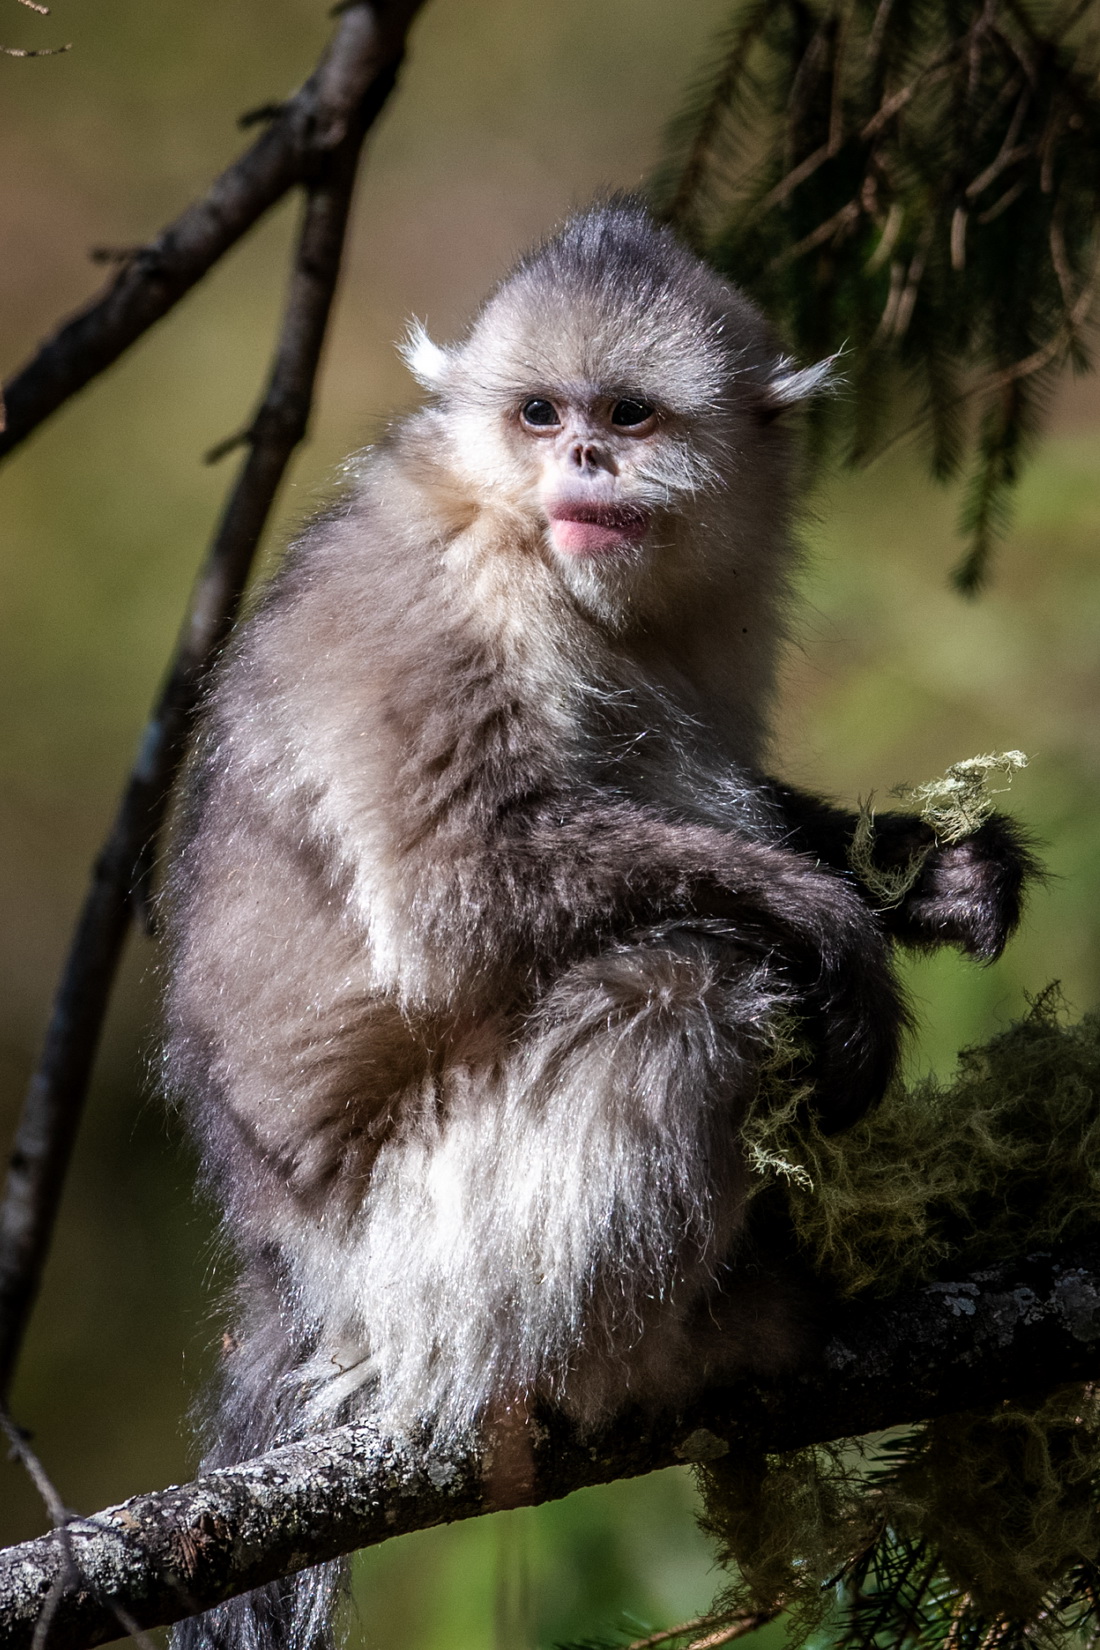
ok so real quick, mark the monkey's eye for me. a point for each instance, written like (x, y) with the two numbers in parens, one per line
(540, 415)
(629, 414)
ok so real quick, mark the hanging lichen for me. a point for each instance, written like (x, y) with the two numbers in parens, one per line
(955, 806)
(959, 803)
(889, 884)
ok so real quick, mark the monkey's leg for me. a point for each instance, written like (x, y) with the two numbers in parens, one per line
(552, 1229)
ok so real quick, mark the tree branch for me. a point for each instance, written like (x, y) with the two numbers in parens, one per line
(363, 55)
(347, 92)
(1022, 1328)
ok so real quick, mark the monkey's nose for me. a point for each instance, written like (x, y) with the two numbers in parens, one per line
(586, 455)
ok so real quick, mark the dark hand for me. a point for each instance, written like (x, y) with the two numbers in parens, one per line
(968, 893)
(816, 931)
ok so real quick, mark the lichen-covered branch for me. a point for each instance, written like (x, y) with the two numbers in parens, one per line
(1024, 1327)
(365, 50)
(337, 106)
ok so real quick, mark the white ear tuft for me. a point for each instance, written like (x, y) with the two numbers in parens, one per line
(789, 384)
(424, 359)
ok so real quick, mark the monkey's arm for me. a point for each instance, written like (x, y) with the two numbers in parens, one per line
(562, 877)
(967, 893)
(479, 917)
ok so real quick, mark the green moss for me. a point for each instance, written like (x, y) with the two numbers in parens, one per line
(978, 1529)
(1007, 1153)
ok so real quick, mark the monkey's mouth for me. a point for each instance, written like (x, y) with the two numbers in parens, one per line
(596, 529)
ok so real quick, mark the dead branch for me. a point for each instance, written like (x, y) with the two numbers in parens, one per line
(348, 91)
(361, 59)
(1022, 1328)
(68, 1573)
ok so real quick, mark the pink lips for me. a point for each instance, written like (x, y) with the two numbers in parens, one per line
(595, 529)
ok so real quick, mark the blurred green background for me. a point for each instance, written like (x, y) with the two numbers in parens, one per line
(508, 113)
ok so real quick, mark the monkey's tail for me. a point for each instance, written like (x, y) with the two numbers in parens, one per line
(296, 1613)
(258, 1404)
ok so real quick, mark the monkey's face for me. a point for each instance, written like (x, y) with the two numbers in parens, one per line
(588, 456)
(628, 496)
(613, 404)
(612, 481)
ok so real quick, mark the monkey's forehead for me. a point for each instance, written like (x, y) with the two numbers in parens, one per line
(680, 355)
(611, 305)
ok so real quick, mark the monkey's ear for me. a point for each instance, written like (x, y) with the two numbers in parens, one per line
(789, 385)
(425, 360)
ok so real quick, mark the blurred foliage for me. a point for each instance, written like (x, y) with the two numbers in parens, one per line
(508, 113)
(913, 183)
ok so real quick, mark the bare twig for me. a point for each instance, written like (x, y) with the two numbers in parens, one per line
(938, 69)
(836, 101)
(958, 238)
(1003, 202)
(832, 227)
(878, 30)
(787, 184)
(116, 254)
(1006, 158)
(364, 51)
(262, 113)
(667, 1633)
(907, 299)
(737, 1629)
(229, 444)
(51, 1113)
(42, 51)
(36, 1472)
(1024, 1327)
(68, 1574)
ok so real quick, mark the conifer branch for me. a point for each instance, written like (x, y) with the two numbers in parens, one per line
(917, 182)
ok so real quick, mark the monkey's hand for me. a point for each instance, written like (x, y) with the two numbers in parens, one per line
(814, 929)
(967, 893)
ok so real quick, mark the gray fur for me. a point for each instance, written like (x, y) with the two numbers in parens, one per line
(481, 912)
